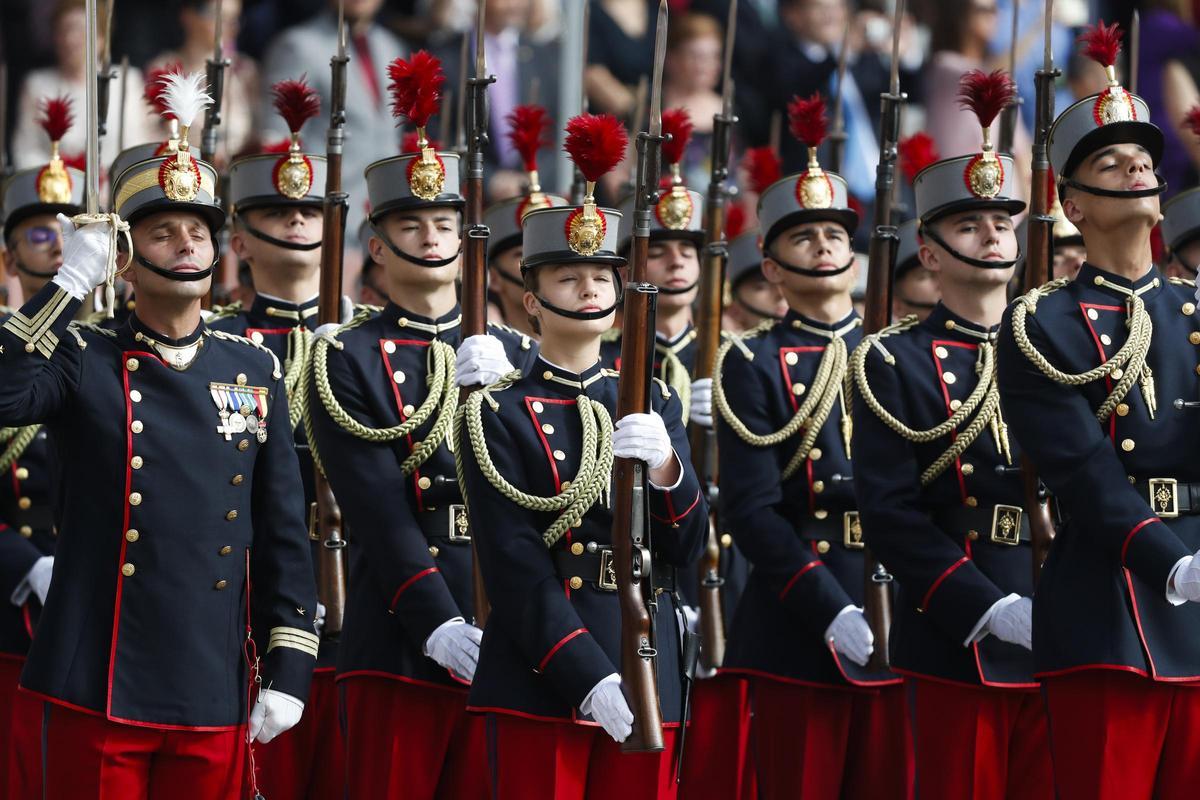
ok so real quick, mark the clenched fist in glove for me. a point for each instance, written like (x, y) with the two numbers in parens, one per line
(455, 645)
(481, 361)
(700, 408)
(1011, 620)
(274, 713)
(645, 437)
(85, 257)
(851, 636)
(606, 704)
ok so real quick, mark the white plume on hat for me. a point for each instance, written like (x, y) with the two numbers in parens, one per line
(185, 96)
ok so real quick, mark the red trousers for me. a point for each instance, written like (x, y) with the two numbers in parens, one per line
(566, 761)
(716, 759)
(90, 758)
(411, 742)
(1116, 735)
(20, 735)
(307, 762)
(979, 743)
(823, 743)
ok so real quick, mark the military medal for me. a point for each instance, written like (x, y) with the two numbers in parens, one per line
(252, 423)
(237, 423)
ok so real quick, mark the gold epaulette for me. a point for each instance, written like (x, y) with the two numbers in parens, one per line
(664, 388)
(1030, 299)
(876, 339)
(36, 331)
(75, 327)
(224, 312)
(526, 342)
(1188, 282)
(276, 372)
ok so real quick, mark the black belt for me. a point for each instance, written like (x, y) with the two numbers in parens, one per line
(1169, 497)
(833, 526)
(594, 564)
(447, 524)
(999, 524)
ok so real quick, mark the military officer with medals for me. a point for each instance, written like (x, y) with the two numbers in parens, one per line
(938, 484)
(823, 724)
(29, 203)
(536, 452)
(173, 522)
(1098, 382)
(382, 401)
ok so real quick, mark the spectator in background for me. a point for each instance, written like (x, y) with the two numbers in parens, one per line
(29, 145)
(691, 77)
(620, 53)
(1169, 44)
(757, 22)
(240, 103)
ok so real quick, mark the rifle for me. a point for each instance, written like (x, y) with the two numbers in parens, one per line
(331, 559)
(1039, 256)
(578, 184)
(459, 102)
(1135, 48)
(631, 551)
(837, 138)
(881, 255)
(708, 341)
(474, 272)
(1011, 113)
(215, 75)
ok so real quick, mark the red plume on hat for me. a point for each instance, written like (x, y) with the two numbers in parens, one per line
(1102, 43)
(762, 167)
(596, 143)
(527, 132)
(916, 153)
(807, 122)
(735, 221)
(416, 88)
(154, 88)
(677, 124)
(985, 95)
(297, 103)
(56, 117)
(53, 181)
(1191, 121)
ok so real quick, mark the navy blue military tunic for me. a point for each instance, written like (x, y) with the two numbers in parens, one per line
(554, 630)
(945, 543)
(410, 566)
(1101, 600)
(801, 535)
(171, 510)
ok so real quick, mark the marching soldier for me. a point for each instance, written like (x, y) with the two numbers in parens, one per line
(1181, 234)
(382, 401)
(799, 634)
(755, 299)
(941, 497)
(33, 253)
(276, 207)
(914, 288)
(1098, 379)
(172, 509)
(536, 453)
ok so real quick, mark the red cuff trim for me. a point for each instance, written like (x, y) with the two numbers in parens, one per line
(672, 517)
(1131, 534)
(546, 658)
(796, 577)
(938, 582)
(404, 586)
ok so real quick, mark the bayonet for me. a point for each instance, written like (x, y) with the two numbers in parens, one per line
(1135, 47)
(121, 104)
(654, 126)
(215, 68)
(459, 141)
(837, 139)
(91, 113)
(1011, 113)
(105, 73)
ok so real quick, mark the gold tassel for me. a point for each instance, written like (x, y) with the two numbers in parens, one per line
(1146, 379)
(847, 422)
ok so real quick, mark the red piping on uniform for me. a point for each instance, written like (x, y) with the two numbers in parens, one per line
(373, 673)
(546, 658)
(404, 586)
(1083, 667)
(671, 509)
(387, 362)
(529, 401)
(757, 673)
(997, 684)
(910, 673)
(796, 577)
(1108, 384)
(787, 376)
(937, 363)
(27, 618)
(837, 661)
(1137, 620)
(58, 701)
(938, 582)
(540, 718)
(1129, 536)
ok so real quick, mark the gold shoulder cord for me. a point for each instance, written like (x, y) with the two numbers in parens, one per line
(676, 376)
(295, 369)
(984, 399)
(442, 398)
(16, 440)
(1127, 365)
(225, 311)
(595, 466)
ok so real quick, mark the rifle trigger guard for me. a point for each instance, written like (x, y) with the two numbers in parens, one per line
(479, 231)
(333, 544)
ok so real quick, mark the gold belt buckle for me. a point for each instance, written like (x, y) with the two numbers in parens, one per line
(607, 579)
(1006, 524)
(459, 524)
(852, 531)
(314, 534)
(1164, 496)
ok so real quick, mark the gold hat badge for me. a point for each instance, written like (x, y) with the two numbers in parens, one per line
(596, 143)
(1102, 44)
(416, 90)
(297, 103)
(807, 122)
(674, 209)
(53, 181)
(985, 95)
(184, 96)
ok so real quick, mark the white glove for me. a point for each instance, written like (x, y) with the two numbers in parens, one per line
(606, 704)
(1011, 620)
(327, 329)
(319, 620)
(700, 408)
(38, 578)
(644, 437)
(455, 645)
(851, 636)
(481, 361)
(1186, 577)
(274, 713)
(85, 257)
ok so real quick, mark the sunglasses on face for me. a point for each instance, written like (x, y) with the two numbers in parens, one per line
(42, 236)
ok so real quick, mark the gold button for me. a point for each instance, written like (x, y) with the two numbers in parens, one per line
(726, 540)
(951, 324)
(972, 535)
(955, 405)
(244, 444)
(24, 503)
(22, 474)
(128, 569)
(423, 482)
(136, 426)
(1194, 337)
(968, 469)
(971, 501)
(26, 531)
(398, 376)
(1105, 339)
(538, 407)
(1122, 409)
(221, 584)
(1132, 480)
(577, 549)
(256, 337)
(949, 377)
(135, 498)
(231, 515)
(818, 486)
(1128, 444)
(389, 347)
(433, 550)
(29, 347)
(1118, 373)
(236, 480)
(132, 535)
(815, 454)
(135, 396)
(559, 455)
(402, 322)
(226, 550)
(942, 352)
(1098, 280)
(547, 374)
(547, 428)
(241, 379)
(822, 547)
(131, 365)
(1198, 369)
(798, 389)
(1092, 315)
(136, 462)
(1188, 308)
(791, 359)
(576, 582)
(820, 513)
(409, 409)
(797, 324)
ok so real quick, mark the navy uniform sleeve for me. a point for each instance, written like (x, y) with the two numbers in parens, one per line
(936, 572)
(370, 487)
(39, 360)
(281, 561)
(1057, 428)
(679, 515)
(751, 482)
(525, 592)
